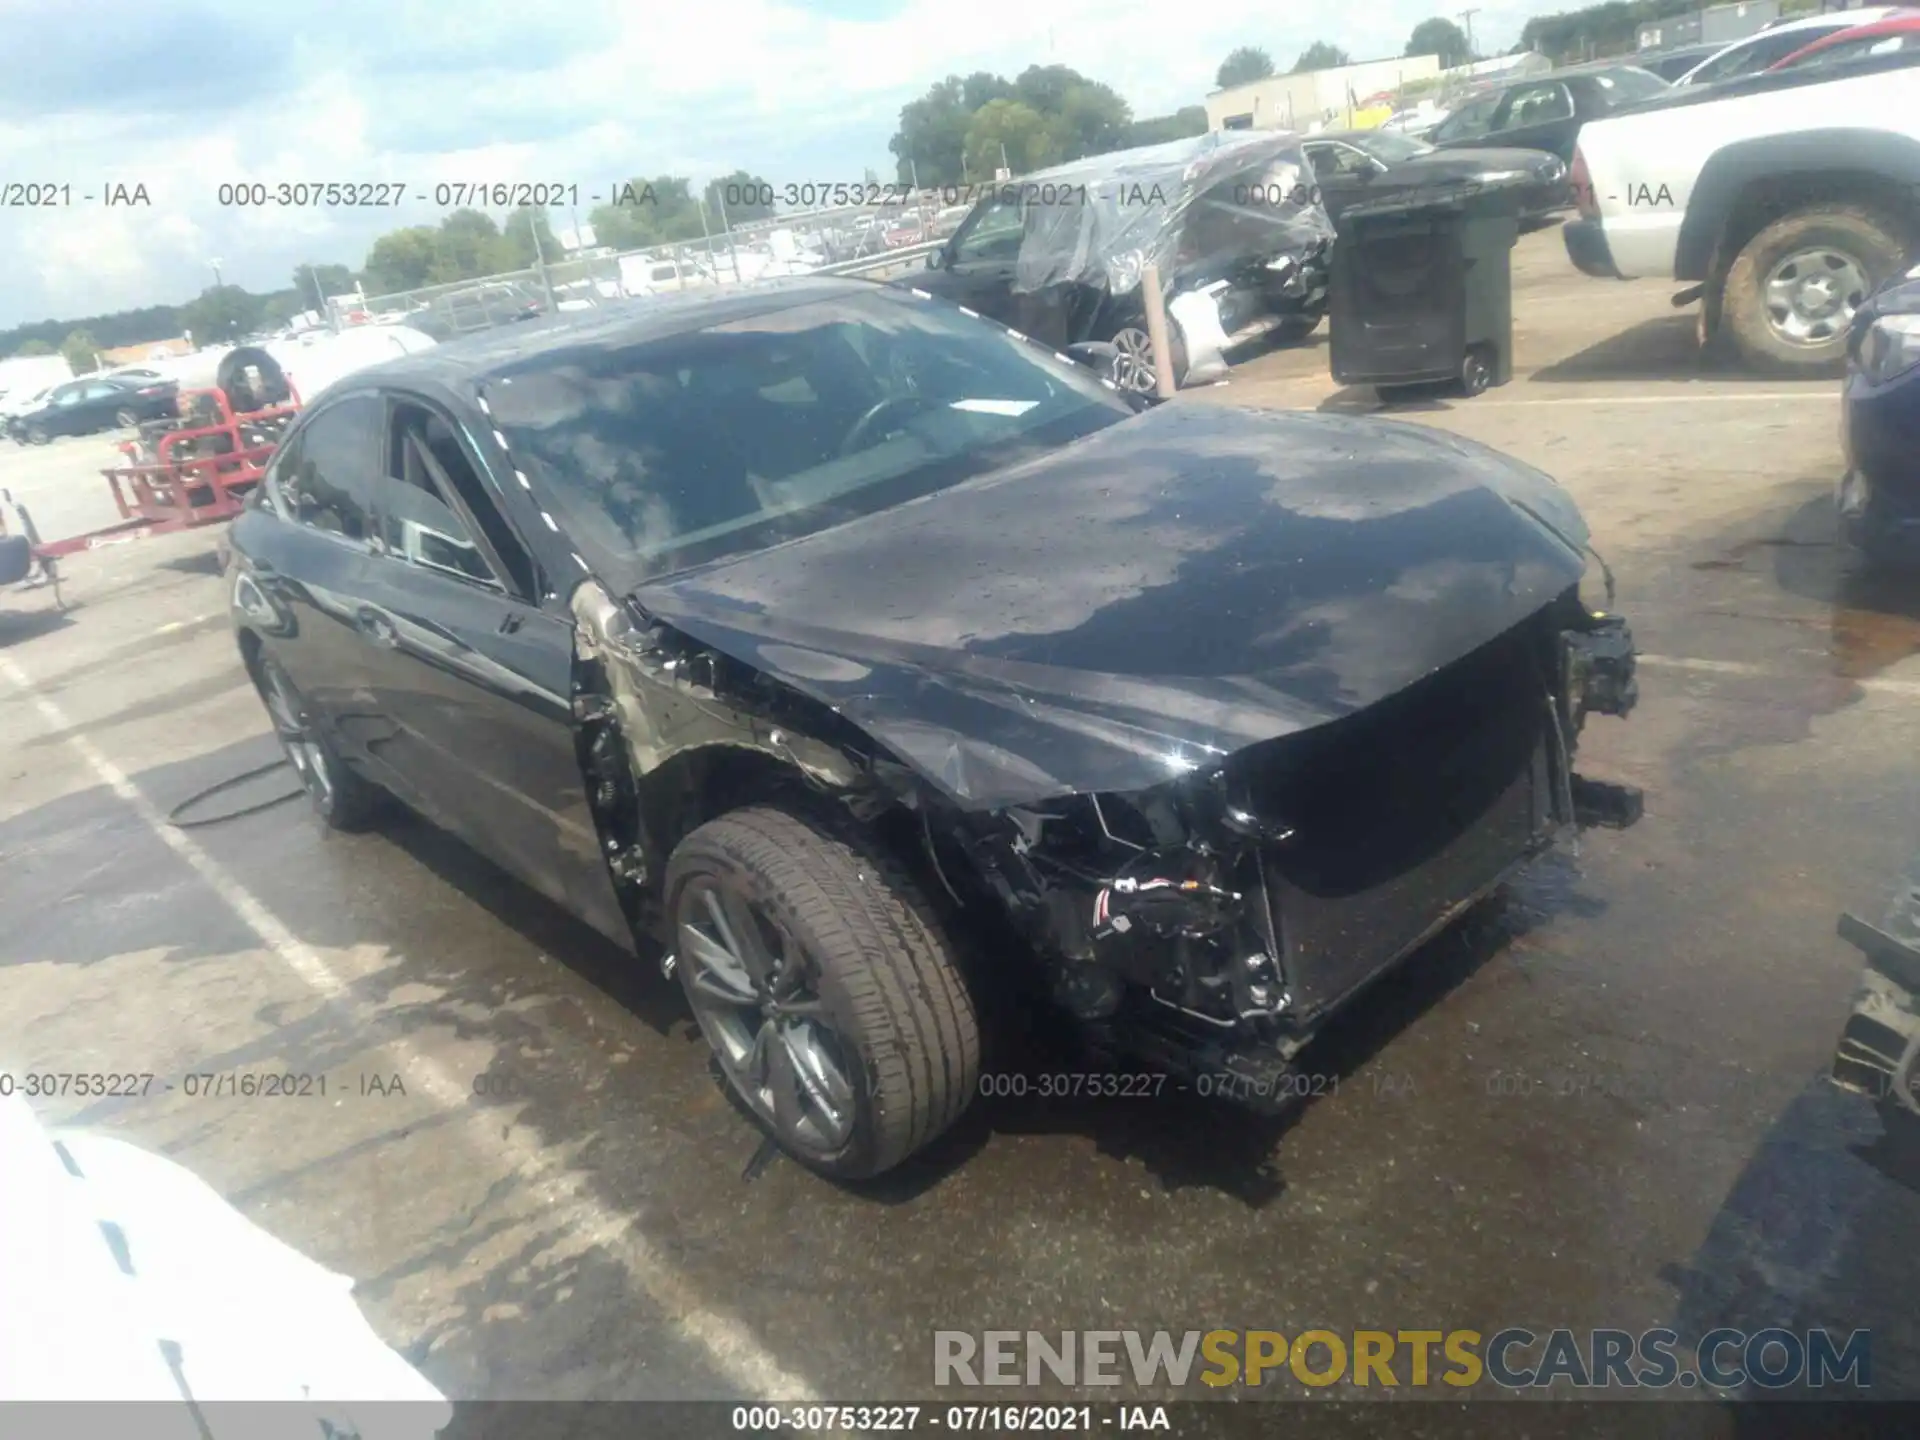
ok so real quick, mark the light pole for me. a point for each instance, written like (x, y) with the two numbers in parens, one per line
(215, 264)
(1467, 16)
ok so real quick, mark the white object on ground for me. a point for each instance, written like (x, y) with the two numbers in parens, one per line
(134, 1280)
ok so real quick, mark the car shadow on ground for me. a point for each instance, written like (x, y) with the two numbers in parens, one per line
(18, 624)
(1664, 348)
(1873, 614)
(586, 1084)
(206, 562)
(1821, 1230)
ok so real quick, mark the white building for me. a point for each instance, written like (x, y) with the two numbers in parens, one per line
(27, 374)
(1314, 98)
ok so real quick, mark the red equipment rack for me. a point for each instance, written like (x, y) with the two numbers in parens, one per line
(196, 476)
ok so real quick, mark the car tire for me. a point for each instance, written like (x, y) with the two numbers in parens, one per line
(37, 436)
(1295, 328)
(1135, 345)
(876, 1045)
(341, 798)
(1791, 290)
(126, 419)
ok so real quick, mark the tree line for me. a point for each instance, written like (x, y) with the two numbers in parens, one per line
(1439, 37)
(967, 128)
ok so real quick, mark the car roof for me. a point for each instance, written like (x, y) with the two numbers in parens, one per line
(1866, 15)
(1898, 23)
(468, 362)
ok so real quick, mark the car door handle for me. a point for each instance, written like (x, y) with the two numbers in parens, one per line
(377, 628)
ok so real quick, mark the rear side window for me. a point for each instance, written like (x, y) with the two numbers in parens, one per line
(329, 480)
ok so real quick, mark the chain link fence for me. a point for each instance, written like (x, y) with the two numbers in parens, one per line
(878, 240)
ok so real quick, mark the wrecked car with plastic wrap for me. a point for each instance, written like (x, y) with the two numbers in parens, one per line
(871, 659)
(1233, 220)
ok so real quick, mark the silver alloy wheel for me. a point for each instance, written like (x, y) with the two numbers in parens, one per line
(126, 419)
(752, 991)
(1810, 295)
(1133, 366)
(308, 759)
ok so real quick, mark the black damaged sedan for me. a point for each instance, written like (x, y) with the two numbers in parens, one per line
(875, 659)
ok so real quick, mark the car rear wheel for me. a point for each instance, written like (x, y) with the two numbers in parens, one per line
(37, 436)
(1792, 290)
(125, 419)
(818, 974)
(340, 798)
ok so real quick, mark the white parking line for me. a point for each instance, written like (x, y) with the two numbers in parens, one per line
(1764, 672)
(728, 1345)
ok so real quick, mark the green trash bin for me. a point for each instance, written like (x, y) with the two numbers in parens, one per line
(1421, 292)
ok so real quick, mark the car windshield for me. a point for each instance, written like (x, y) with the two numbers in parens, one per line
(1386, 145)
(675, 451)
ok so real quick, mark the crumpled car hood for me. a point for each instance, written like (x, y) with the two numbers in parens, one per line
(1146, 600)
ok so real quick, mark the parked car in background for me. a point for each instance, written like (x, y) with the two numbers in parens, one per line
(1545, 112)
(19, 403)
(1670, 65)
(1895, 34)
(872, 663)
(81, 407)
(1229, 218)
(1755, 53)
(1785, 199)
(1352, 165)
(1879, 490)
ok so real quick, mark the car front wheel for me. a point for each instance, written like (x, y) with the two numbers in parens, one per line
(819, 976)
(1792, 290)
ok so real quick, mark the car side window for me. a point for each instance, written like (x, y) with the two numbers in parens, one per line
(1535, 105)
(432, 488)
(1336, 162)
(328, 484)
(100, 390)
(1473, 119)
(69, 396)
(993, 236)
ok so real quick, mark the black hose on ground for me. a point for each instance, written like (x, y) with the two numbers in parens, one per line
(173, 815)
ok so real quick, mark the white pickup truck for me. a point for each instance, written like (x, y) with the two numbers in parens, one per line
(1785, 197)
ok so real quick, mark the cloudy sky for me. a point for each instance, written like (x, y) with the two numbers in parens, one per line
(182, 95)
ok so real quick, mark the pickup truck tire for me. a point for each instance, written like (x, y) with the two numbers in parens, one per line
(1793, 287)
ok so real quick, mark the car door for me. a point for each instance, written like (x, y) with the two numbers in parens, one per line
(977, 268)
(65, 411)
(95, 407)
(312, 564)
(472, 677)
(1538, 115)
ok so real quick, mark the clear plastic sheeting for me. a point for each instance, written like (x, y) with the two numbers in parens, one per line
(1198, 208)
